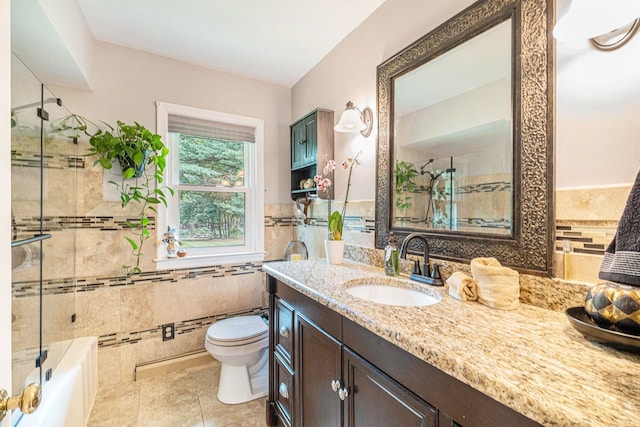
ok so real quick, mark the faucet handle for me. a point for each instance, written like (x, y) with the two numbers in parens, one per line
(435, 273)
(426, 269)
(416, 267)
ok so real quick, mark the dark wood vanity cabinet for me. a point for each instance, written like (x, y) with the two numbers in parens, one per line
(325, 370)
(374, 399)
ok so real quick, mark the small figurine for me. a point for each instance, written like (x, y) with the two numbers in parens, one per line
(172, 243)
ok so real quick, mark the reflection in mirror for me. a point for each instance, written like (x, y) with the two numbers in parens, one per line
(453, 138)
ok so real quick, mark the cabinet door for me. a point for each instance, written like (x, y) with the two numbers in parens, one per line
(298, 144)
(311, 134)
(304, 142)
(374, 399)
(318, 365)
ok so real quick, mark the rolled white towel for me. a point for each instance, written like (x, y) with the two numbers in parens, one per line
(462, 287)
(498, 286)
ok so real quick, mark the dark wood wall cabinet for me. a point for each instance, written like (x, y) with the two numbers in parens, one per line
(325, 370)
(311, 147)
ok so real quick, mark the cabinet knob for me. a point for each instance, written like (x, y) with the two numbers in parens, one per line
(335, 385)
(302, 141)
(284, 331)
(283, 390)
(343, 393)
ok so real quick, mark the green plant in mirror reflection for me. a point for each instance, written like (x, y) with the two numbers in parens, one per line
(404, 172)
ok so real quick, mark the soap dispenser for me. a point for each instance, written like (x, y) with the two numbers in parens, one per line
(391, 257)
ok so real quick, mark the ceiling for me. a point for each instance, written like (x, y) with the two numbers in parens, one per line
(277, 41)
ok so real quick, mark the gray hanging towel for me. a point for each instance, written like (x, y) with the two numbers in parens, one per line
(621, 261)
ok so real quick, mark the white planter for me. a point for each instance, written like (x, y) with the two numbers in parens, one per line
(334, 249)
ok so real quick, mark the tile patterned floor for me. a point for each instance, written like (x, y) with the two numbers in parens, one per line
(185, 398)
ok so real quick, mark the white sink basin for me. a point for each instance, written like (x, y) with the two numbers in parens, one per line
(393, 295)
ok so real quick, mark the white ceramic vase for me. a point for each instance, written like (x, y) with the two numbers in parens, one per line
(334, 249)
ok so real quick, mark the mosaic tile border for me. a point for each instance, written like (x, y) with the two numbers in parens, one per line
(585, 237)
(499, 224)
(22, 289)
(279, 221)
(485, 187)
(32, 159)
(183, 327)
(351, 223)
(31, 224)
(24, 227)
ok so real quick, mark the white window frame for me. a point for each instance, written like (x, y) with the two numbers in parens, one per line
(253, 250)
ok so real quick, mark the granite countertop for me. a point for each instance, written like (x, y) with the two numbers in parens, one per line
(530, 359)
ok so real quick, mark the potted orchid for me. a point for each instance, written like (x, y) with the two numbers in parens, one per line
(334, 245)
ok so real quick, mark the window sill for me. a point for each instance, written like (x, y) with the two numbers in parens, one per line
(208, 260)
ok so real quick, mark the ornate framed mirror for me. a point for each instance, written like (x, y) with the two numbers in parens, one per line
(465, 137)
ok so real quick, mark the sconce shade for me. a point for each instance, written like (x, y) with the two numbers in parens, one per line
(588, 19)
(353, 120)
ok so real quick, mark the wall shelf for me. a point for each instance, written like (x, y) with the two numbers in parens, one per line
(311, 147)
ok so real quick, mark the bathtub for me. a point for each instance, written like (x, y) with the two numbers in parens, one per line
(68, 397)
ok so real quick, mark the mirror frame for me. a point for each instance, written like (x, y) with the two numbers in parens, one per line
(530, 246)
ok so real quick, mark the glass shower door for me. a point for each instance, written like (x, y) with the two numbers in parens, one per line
(43, 205)
(26, 227)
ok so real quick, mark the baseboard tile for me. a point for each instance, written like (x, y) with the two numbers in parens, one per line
(163, 366)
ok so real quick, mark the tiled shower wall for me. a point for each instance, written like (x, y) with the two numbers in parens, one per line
(479, 201)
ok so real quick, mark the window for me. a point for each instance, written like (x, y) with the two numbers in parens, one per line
(215, 168)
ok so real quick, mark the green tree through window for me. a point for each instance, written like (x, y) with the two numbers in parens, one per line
(215, 215)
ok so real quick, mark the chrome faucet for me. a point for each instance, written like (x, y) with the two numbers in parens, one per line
(426, 275)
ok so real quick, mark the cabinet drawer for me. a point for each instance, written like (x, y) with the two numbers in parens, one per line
(284, 390)
(283, 330)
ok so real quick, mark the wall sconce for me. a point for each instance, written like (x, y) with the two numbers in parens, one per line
(354, 120)
(607, 25)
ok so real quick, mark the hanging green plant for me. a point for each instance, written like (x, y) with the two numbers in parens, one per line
(142, 157)
(75, 126)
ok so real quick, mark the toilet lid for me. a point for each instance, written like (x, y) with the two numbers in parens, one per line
(237, 328)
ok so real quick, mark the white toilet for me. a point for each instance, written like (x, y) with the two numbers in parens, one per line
(240, 344)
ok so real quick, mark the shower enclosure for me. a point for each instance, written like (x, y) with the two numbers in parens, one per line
(43, 250)
(467, 192)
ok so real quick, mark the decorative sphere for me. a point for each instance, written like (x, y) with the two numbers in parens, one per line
(614, 306)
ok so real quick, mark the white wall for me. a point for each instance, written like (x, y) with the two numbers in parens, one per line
(127, 83)
(597, 113)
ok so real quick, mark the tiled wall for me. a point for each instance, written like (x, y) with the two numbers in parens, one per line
(586, 221)
(479, 201)
(84, 281)
(85, 291)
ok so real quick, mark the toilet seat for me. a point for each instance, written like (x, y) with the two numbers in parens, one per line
(236, 331)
